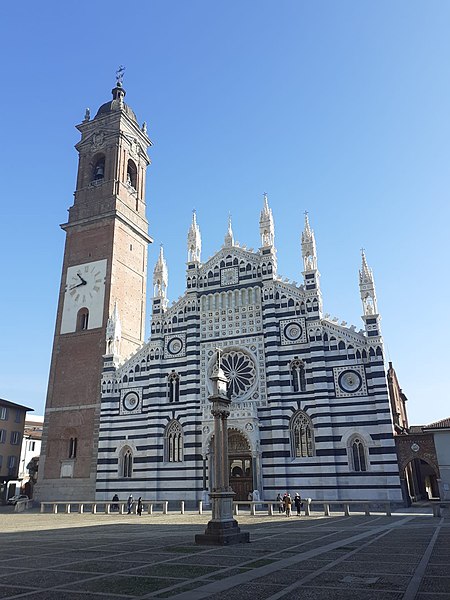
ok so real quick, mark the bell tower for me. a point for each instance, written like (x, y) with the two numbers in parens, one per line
(104, 271)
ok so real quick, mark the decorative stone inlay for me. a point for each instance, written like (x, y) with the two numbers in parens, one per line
(130, 401)
(292, 331)
(231, 321)
(174, 345)
(229, 276)
(350, 381)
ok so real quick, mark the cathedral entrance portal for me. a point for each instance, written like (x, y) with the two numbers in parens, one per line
(241, 465)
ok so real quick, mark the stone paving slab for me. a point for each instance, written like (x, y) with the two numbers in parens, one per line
(436, 584)
(112, 557)
(308, 593)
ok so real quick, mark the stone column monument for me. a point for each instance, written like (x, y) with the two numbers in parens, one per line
(222, 529)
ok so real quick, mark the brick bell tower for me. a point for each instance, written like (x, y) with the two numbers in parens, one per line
(105, 266)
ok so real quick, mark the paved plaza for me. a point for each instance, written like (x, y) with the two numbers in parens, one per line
(100, 557)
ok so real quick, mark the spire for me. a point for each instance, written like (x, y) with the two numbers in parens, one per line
(365, 274)
(266, 226)
(160, 276)
(194, 240)
(113, 332)
(229, 239)
(367, 287)
(308, 247)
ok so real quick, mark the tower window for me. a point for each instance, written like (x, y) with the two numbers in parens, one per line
(99, 169)
(73, 447)
(82, 319)
(131, 174)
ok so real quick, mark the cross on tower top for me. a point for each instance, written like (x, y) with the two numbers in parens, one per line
(119, 74)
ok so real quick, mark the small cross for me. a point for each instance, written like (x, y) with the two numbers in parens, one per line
(119, 74)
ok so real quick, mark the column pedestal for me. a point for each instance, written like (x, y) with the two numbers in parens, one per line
(222, 529)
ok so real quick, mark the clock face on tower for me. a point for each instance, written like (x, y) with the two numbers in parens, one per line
(85, 289)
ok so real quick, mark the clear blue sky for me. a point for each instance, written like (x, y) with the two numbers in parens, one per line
(335, 107)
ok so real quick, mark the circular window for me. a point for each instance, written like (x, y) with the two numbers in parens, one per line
(350, 381)
(240, 370)
(293, 332)
(175, 345)
(131, 401)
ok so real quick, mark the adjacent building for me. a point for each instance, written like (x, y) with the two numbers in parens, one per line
(12, 422)
(29, 455)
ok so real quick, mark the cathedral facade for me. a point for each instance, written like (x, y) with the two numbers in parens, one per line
(310, 408)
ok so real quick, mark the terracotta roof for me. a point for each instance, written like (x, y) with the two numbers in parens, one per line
(442, 424)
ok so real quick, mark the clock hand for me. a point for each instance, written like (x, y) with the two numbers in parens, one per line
(83, 280)
(78, 285)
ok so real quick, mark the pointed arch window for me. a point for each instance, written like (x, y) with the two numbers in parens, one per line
(173, 442)
(126, 463)
(302, 435)
(298, 378)
(358, 455)
(173, 383)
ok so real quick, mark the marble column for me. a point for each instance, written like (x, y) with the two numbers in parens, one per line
(222, 529)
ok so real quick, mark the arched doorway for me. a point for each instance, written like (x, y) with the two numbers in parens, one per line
(421, 480)
(241, 464)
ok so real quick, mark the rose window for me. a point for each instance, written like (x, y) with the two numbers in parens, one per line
(240, 371)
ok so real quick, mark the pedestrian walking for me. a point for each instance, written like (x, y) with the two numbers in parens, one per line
(139, 506)
(287, 504)
(130, 502)
(115, 499)
(298, 503)
(280, 503)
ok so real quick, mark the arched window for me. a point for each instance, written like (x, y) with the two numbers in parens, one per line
(82, 319)
(98, 171)
(126, 463)
(298, 379)
(131, 174)
(173, 381)
(73, 447)
(358, 459)
(302, 435)
(173, 442)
